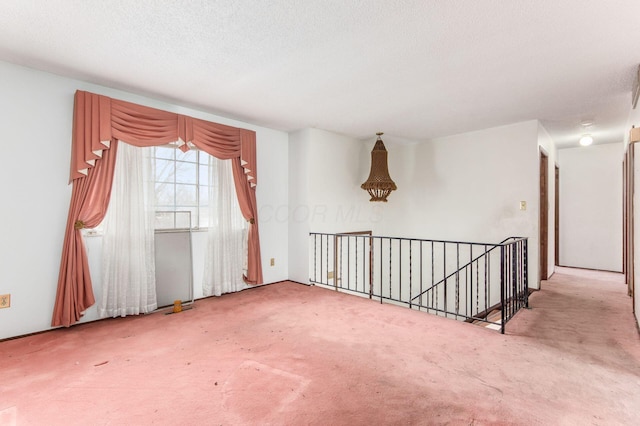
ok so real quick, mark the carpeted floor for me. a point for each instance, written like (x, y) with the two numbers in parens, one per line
(288, 354)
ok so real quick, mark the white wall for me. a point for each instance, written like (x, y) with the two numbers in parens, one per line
(325, 175)
(35, 118)
(468, 187)
(465, 187)
(591, 207)
(296, 212)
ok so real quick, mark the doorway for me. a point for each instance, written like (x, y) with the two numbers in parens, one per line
(544, 215)
(628, 266)
(557, 218)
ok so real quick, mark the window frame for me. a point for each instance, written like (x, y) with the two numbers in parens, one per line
(200, 182)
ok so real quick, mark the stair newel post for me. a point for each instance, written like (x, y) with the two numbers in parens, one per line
(502, 285)
(514, 274)
(525, 263)
(335, 261)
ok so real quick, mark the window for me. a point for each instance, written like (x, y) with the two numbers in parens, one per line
(181, 184)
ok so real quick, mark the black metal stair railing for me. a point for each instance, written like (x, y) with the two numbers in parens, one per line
(462, 280)
(470, 263)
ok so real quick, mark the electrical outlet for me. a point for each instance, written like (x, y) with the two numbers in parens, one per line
(273, 261)
(5, 300)
(523, 205)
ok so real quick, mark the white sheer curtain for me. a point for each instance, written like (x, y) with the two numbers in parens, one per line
(128, 258)
(225, 257)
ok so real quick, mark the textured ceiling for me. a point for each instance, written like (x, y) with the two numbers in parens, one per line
(413, 69)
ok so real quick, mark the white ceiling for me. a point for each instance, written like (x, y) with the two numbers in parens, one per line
(415, 69)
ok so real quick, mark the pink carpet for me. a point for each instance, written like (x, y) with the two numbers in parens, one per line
(287, 354)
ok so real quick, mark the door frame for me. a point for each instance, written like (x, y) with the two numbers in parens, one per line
(543, 263)
(557, 216)
(628, 266)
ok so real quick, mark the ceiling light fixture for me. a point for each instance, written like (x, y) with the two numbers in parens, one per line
(586, 140)
(379, 185)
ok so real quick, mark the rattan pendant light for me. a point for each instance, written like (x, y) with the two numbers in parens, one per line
(379, 184)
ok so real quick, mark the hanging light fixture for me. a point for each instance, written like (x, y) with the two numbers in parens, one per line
(379, 184)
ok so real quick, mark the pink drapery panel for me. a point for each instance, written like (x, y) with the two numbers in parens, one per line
(249, 208)
(244, 179)
(99, 122)
(89, 201)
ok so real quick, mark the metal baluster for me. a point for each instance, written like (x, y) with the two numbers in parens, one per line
(371, 263)
(507, 281)
(348, 263)
(457, 279)
(487, 282)
(520, 278)
(444, 261)
(364, 265)
(469, 283)
(356, 264)
(410, 270)
(400, 270)
(502, 301)
(525, 262)
(390, 280)
(521, 262)
(514, 272)
(421, 283)
(478, 285)
(341, 265)
(327, 260)
(321, 256)
(381, 287)
(315, 258)
(433, 276)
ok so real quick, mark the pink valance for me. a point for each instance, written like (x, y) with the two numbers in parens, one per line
(99, 122)
(100, 119)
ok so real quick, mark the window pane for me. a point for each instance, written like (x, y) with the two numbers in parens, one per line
(204, 174)
(182, 219)
(164, 220)
(165, 152)
(165, 195)
(204, 195)
(203, 158)
(190, 155)
(182, 183)
(186, 172)
(165, 170)
(204, 217)
(186, 195)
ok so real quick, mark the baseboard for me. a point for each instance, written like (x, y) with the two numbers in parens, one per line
(588, 269)
(298, 282)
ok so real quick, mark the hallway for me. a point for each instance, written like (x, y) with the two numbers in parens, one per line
(582, 319)
(291, 354)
